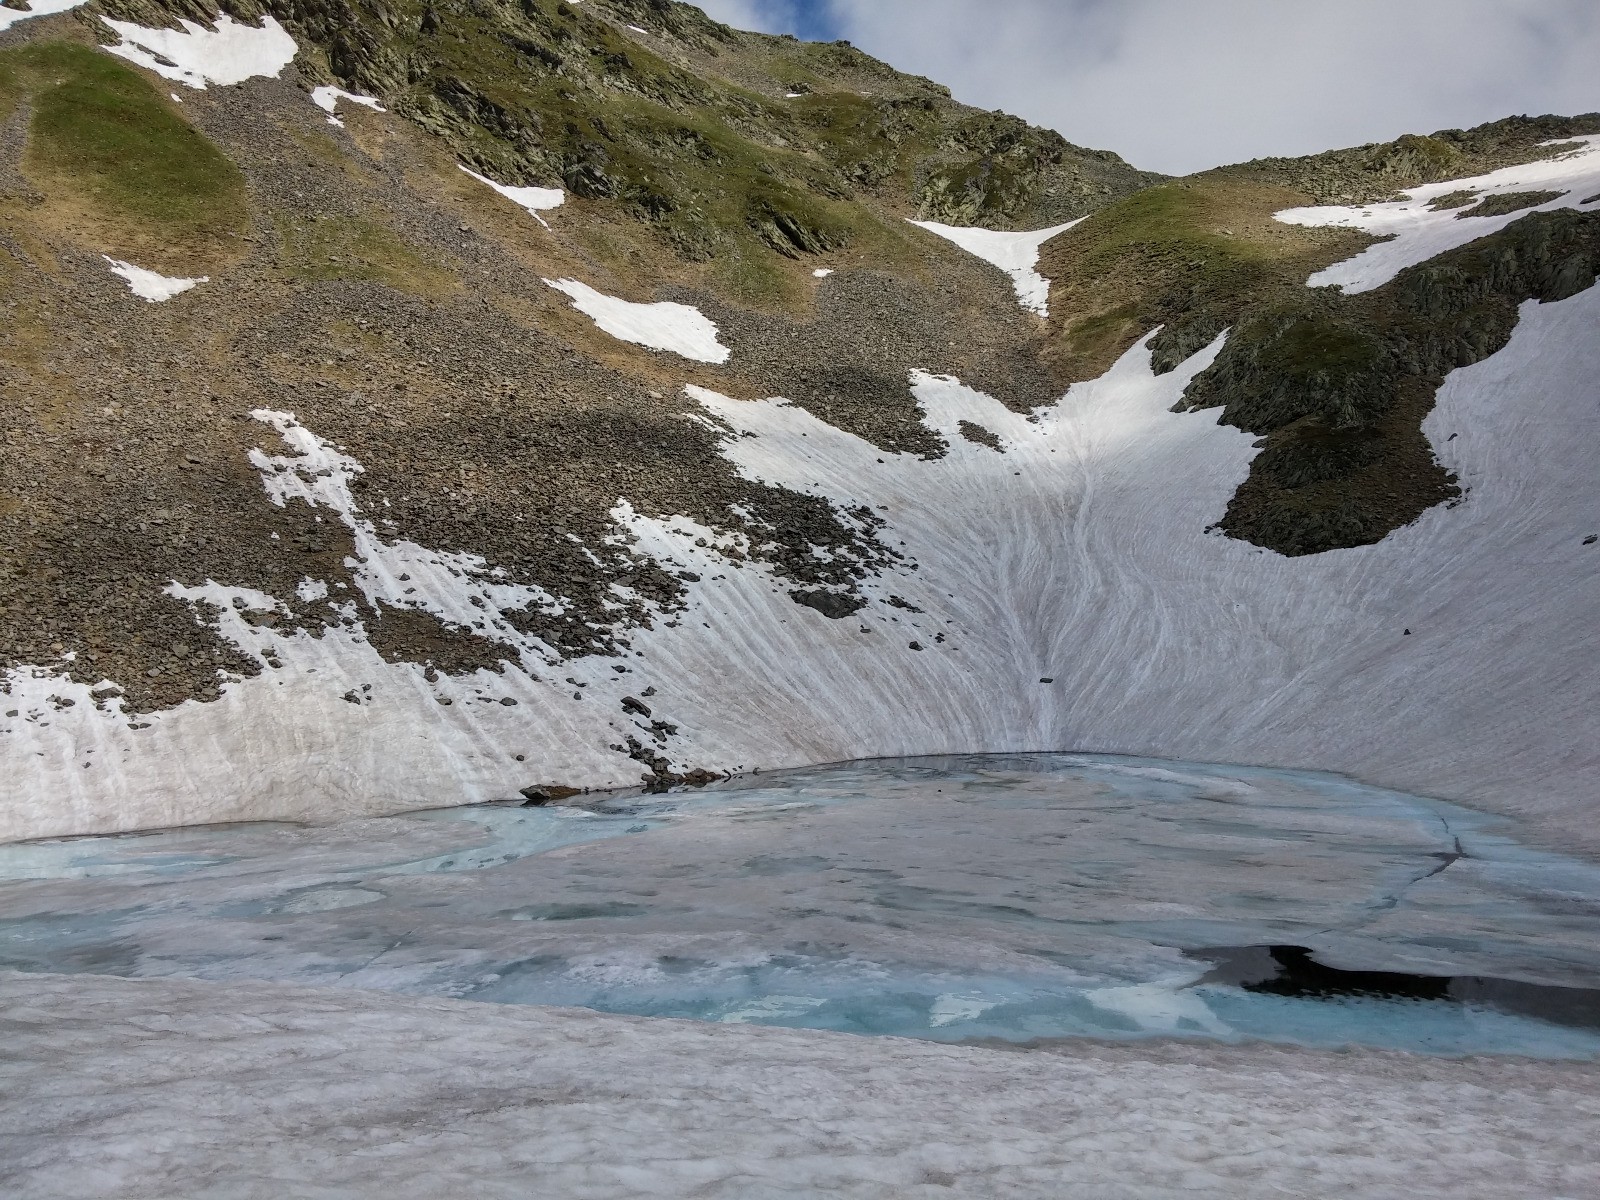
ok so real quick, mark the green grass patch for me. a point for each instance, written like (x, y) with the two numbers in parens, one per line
(102, 136)
(356, 248)
(1180, 226)
(1190, 256)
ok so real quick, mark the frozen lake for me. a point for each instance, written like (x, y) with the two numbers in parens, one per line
(958, 899)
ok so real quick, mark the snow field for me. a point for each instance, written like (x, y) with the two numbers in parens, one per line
(37, 8)
(195, 56)
(1079, 555)
(262, 1089)
(1417, 233)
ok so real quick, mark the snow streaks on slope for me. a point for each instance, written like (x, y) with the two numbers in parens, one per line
(1079, 555)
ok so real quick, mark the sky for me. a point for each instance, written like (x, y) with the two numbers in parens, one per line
(1180, 85)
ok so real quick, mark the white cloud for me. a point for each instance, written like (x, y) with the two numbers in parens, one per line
(1179, 85)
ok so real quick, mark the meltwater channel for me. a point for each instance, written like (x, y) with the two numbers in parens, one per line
(1012, 897)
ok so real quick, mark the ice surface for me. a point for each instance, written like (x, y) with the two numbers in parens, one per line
(195, 55)
(981, 898)
(680, 328)
(148, 284)
(37, 8)
(535, 199)
(327, 99)
(1417, 233)
(1017, 254)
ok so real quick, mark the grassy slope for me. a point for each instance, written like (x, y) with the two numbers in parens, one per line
(114, 159)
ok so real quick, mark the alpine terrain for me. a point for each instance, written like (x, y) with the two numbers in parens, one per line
(418, 403)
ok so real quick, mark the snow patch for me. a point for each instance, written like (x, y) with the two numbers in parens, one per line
(195, 56)
(153, 287)
(1017, 254)
(822, 272)
(680, 328)
(327, 98)
(535, 199)
(38, 8)
(1417, 233)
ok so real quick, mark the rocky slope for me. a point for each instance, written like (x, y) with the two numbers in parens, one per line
(373, 515)
(398, 306)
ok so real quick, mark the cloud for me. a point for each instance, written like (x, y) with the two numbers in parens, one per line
(1179, 85)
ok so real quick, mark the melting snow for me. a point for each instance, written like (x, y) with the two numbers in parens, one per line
(534, 199)
(1017, 254)
(39, 8)
(151, 286)
(327, 98)
(195, 55)
(679, 328)
(1418, 233)
(823, 272)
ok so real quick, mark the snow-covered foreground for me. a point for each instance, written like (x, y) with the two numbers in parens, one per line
(175, 1088)
(1078, 556)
